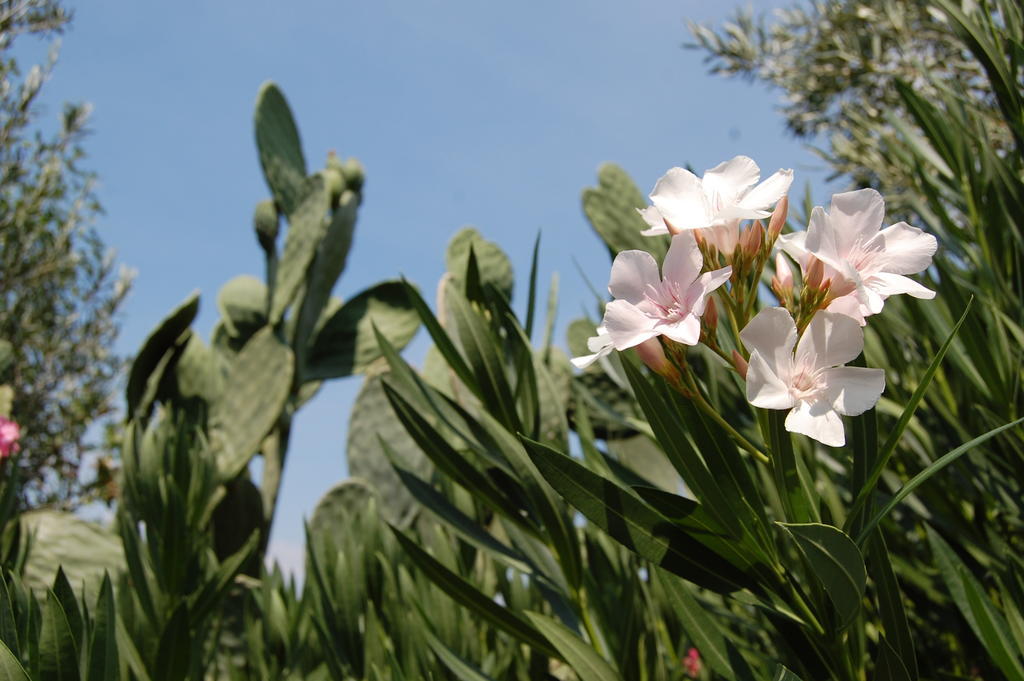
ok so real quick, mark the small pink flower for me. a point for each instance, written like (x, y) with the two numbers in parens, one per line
(670, 303)
(691, 663)
(9, 434)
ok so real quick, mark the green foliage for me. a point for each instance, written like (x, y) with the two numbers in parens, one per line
(612, 209)
(61, 291)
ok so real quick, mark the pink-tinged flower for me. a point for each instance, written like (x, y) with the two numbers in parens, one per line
(718, 201)
(600, 345)
(691, 663)
(811, 381)
(865, 263)
(9, 434)
(647, 305)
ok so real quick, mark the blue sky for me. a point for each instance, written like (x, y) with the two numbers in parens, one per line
(463, 112)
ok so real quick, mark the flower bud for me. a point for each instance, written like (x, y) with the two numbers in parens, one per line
(814, 273)
(653, 355)
(740, 364)
(752, 239)
(711, 315)
(778, 219)
(783, 274)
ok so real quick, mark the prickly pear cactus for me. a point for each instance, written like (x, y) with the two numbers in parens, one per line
(371, 421)
(495, 267)
(611, 207)
(346, 344)
(335, 508)
(280, 150)
(242, 303)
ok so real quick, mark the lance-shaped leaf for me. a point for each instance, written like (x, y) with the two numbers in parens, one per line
(612, 209)
(159, 342)
(255, 392)
(10, 667)
(584, 660)
(836, 563)
(470, 597)
(305, 228)
(347, 344)
(58, 656)
(277, 140)
(493, 266)
(716, 650)
(103, 658)
(640, 528)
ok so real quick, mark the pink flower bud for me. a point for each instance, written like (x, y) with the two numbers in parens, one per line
(814, 273)
(783, 274)
(653, 355)
(752, 239)
(10, 432)
(778, 219)
(711, 315)
(740, 364)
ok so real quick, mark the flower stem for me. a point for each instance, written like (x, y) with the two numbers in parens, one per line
(703, 405)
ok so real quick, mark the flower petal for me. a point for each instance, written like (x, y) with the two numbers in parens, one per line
(686, 331)
(697, 295)
(632, 273)
(683, 261)
(627, 326)
(766, 194)
(764, 387)
(652, 216)
(850, 306)
(886, 285)
(819, 421)
(729, 180)
(820, 239)
(680, 199)
(794, 245)
(853, 390)
(772, 334)
(907, 249)
(856, 217)
(830, 340)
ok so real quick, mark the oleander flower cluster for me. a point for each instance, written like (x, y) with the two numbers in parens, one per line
(793, 355)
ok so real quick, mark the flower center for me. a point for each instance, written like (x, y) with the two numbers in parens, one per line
(805, 385)
(664, 302)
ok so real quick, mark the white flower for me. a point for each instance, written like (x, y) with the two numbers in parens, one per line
(600, 345)
(865, 262)
(646, 305)
(724, 196)
(812, 381)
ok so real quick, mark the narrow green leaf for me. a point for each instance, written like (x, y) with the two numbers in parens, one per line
(66, 595)
(640, 528)
(8, 626)
(797, 497)
(890, 605)
(992, 629)
(462, 669)
(174, 651)
(10, 667)
(126, 648)
(889, 666)
(783, 674)
(441, 339)
(584, 660)
(889, 447)
(928, 472)
(716, 650)
(104, 664)
(468, 596)
(58, 656)
(837, 564)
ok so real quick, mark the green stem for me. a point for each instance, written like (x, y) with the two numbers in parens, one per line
(703, 405)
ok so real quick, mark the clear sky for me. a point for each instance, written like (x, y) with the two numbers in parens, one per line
(464, 112)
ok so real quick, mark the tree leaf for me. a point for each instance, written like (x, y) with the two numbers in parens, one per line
(584, 660)
(837, 564)
(58, 657)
